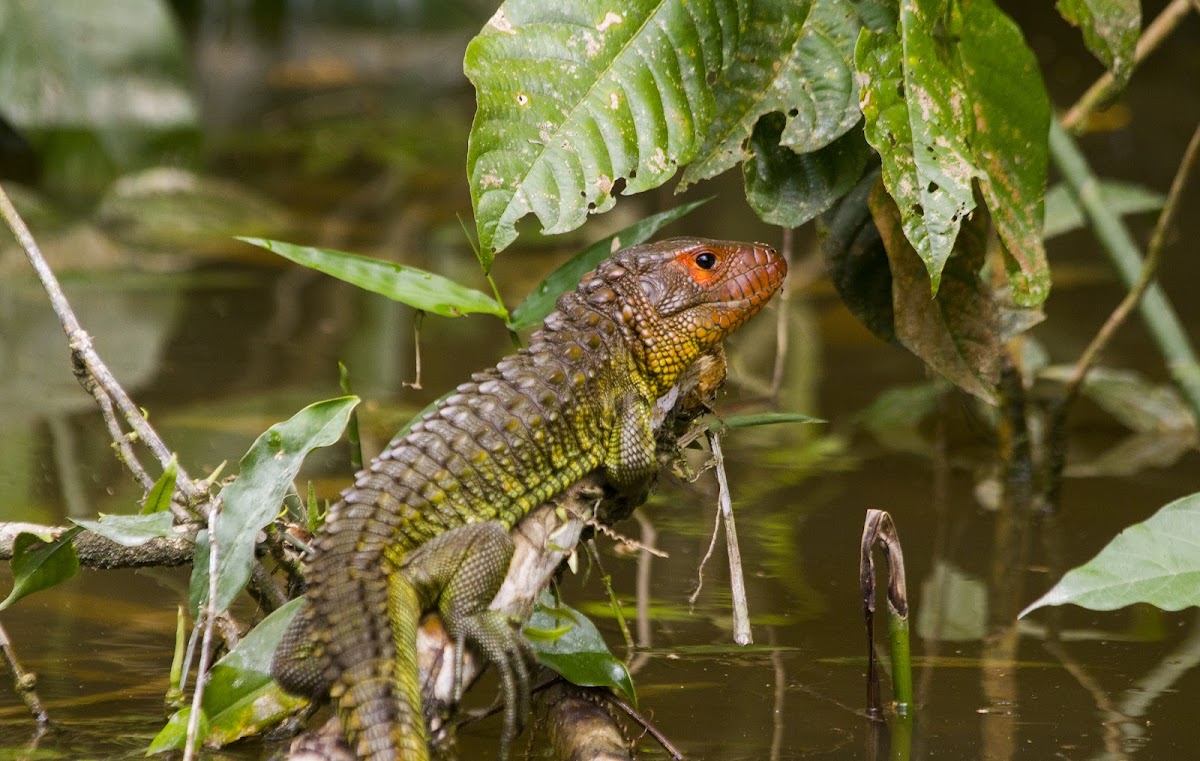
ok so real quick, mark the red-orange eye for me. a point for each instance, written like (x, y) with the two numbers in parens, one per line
(706, 260)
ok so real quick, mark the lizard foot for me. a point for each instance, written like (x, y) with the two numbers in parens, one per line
(492, 633)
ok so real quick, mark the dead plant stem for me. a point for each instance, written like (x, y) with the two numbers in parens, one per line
(23, 681)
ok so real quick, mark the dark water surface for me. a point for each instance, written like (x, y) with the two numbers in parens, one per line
(353, 136)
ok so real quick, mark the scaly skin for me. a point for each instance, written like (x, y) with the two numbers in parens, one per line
(426, 525)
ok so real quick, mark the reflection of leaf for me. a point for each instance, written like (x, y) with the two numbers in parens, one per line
(38, 565)
(576, 97)
(1110, 30)
(895, 415)
(1132, 399)
(787, 188)
(241, 698)
(954, 606)
(265, 474)
(1064, 215)
(580, 654)
(408, 285)
(795, 58)
(1155, 449)
(1155, 561)
(956, 333)
(540, 301)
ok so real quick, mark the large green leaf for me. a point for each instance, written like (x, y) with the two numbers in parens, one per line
(241, 698)
(1110, 30)
(408, 285)
(1156, 561)
(954, 95)
(795, 58)
(917, 111)
(1011, 126)
(253, 500)
(37, 564)
(958, 332)
(788, 189)
(577, 98)
(540, 301)
(566, 641)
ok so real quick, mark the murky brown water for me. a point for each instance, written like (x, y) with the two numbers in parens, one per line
(372, 162)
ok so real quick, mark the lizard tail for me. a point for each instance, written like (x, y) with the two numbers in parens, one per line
(377, 692)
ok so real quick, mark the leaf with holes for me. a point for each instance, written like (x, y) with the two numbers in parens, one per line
(795, 59)
(917, 117)
(576, 98)
(956, 333)
(1110, 30)
(951, 96)
(1011, 113)
(788, 189)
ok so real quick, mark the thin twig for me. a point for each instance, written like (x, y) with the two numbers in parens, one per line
(93, 373)
(1114, 236)
(1149, 268)
(210, 615)
(712, 545)
(737, 580)
(24, 681)
(652, 730)
(781, 319)
(1106, 86)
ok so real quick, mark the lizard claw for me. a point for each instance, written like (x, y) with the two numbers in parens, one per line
(492, 633)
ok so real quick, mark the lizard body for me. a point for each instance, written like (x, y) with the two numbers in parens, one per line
(425, 526)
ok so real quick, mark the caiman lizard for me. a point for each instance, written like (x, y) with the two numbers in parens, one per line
(426, 525)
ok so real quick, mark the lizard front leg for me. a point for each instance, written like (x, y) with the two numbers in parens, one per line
(462, 570)
(630, 461)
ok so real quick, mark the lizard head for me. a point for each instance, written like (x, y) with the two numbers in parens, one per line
(677, 299)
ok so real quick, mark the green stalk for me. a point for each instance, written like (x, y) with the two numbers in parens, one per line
(1114, 236)
(898, 640)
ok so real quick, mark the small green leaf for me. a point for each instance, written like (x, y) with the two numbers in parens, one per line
(788, 189)
(540, 302)
(408, 285)
(580, 655)
(1155, 561)
(174, 735)
(577, 98)
(241, 698)
(1110, 30)
(38, 565)
(761, 418)
(1064, 215)
(131, 530)
(266, 473)
(159, 498)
